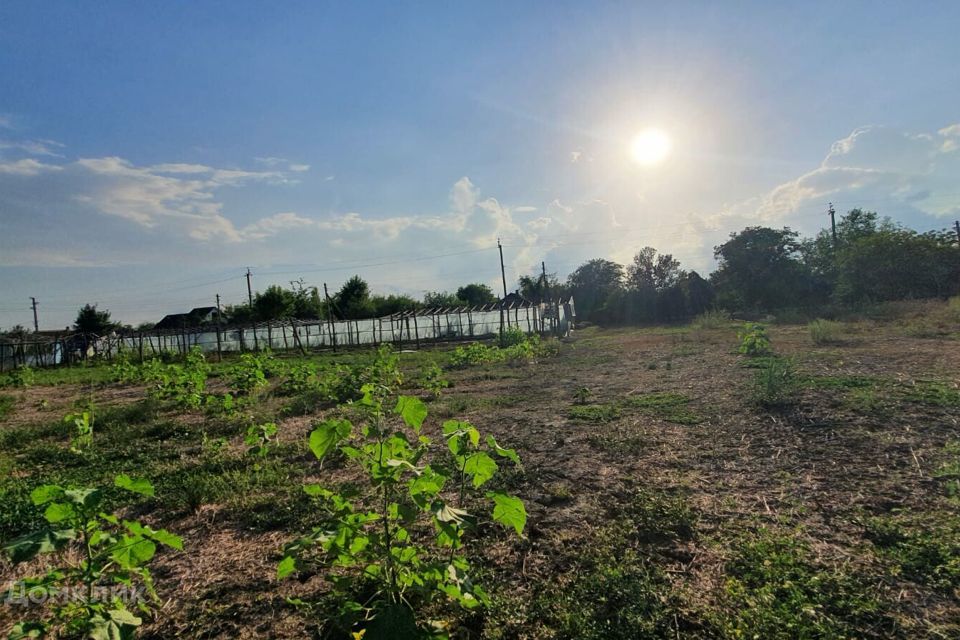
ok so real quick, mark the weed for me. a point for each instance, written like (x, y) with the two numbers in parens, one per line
(21, 378)
(6, 405)
(774, 386)
(595, 412)
(824, 331)
(671, 407)
(582, 395)
(510, 337)
(659, 517)
(932, 392)
(949, 470)
(773, 591)
(925, 552)
(713, 319)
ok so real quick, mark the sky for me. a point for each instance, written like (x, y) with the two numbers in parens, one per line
(151, 152)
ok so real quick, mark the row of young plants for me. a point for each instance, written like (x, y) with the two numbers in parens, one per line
(372, 539)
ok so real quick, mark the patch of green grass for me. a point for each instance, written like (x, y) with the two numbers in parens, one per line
(933, 392)
(6, 405)
(629, 445)
(594, 412)
(923, 551)
(712, 320)
(660, 516)
(840, 382)
(775, 591)
(672, 407)
(759, 362)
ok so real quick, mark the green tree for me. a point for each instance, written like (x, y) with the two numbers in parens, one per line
(433, 299)
(760, 268)
(273, 304)
(535, 288)
(896, 263)
(652, 271)
(90, 320)
(390, 304)
(594, 284)
(353, 299)
(476, 294)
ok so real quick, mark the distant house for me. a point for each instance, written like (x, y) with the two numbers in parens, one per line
(515, 300)
(196, 317)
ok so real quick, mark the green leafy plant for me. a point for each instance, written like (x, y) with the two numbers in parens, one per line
(582, 395)
(123, 370)
(384, 574)
(259, 437)
(21, 377)
(82, 423)
(753, 340)
(86, 596)
(431, 379)
(249, 374)
(511, 336)
(184, 385)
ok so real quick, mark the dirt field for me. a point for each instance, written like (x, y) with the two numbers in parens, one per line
(665, 497)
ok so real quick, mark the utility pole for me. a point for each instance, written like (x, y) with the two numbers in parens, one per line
(546, 283)
(833, 224)
(956, 225)
(333, 331)
(219, 345)
(503, 273)
(249, 290)
(36, 325)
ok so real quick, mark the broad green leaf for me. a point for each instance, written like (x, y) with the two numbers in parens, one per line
(46, 493)
(46, 541)
(139, 485)
(509, 511)
(326, 436)
(86, 498)
(162, 536)
(412, 410)
(133, 551)
(287, 566)
(429, 483)
(23, 630)
(58, 512)
(316, 490)
(500, 451)
(481, 466)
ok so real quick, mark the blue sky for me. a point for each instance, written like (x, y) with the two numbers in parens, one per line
(150, 152)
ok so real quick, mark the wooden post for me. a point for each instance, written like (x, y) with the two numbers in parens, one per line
(296, 337)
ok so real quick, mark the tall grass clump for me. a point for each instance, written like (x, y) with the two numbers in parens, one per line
(774, 385)
(824, 331)
(712, 319)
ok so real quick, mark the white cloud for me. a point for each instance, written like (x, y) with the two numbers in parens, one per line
(524, 209)
(34, 147)
(27, 167)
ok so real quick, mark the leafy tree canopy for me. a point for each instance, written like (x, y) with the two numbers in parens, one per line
(90, 320)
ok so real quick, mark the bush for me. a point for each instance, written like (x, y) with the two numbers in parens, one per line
(754, 340)
(824, 331)
(510, 337)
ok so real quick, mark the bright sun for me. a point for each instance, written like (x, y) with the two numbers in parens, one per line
(650, 147)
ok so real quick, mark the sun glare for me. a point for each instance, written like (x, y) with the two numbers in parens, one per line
(650, 147)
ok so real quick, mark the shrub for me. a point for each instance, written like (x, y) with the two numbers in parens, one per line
(21, 377)
(753, 340)
(510, 337)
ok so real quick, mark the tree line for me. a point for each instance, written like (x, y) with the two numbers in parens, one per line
(759, 269)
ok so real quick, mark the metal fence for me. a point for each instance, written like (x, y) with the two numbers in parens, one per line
(411, 328)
